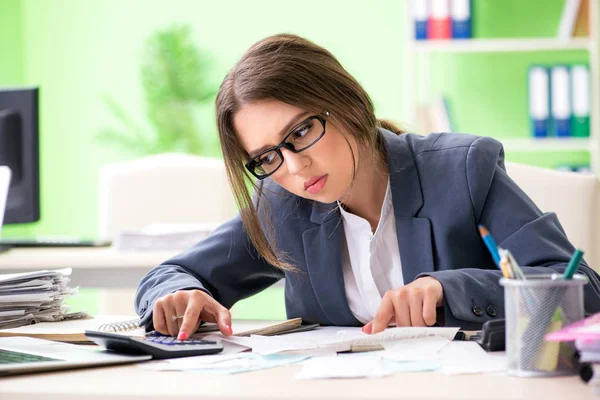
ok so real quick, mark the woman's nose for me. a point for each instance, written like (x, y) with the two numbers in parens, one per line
(294, 162)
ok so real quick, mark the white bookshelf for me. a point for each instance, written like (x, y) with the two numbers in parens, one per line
(546, 144)
(417, 88)
(500, 45)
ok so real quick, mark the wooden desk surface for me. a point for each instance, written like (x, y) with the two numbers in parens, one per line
(132, 382)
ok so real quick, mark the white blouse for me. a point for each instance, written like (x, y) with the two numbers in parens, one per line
(370, 262)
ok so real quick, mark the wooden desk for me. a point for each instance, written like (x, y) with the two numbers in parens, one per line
(132, 382)
(94, 267)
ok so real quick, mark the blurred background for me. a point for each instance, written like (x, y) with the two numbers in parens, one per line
(123, 79)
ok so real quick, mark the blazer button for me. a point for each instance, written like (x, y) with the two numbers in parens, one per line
(477, 311)
(491, 310)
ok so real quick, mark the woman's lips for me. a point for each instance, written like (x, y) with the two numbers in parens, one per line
(315, 184)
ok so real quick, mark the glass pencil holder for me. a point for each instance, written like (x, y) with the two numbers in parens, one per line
(534, 307)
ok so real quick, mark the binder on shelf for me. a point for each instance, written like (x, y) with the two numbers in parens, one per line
(580, 99)
(460, 12)
(420, 16)
(439, 26)
(539, 100)
(560, 100)
(568, 18)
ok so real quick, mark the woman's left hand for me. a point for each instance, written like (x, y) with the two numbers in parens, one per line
(412, 305)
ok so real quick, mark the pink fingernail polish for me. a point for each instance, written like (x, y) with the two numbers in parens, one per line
(182, 336)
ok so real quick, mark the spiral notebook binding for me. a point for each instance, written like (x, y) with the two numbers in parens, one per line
(120, 326)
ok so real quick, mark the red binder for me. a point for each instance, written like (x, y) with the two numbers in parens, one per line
(439, 26)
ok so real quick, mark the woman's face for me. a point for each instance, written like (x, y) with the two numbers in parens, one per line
(322, 172)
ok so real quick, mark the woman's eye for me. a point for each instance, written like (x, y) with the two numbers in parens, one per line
(267, 159)
(301, 132)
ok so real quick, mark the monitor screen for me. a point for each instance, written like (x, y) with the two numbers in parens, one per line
(19, 151)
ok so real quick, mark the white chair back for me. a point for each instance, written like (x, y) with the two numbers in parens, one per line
(163, 189)
(572, 196)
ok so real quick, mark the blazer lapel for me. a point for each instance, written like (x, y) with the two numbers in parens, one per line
(322, 247)
(414, 233)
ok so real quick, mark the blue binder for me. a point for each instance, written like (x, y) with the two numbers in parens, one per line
(421, 16)
(539, 100)
(461, 12)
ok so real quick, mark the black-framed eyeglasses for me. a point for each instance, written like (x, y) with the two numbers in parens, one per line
(300, 138)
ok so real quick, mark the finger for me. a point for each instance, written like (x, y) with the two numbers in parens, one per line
(158, 318)
(191, 318)
(384, 314)
(222, 317)
(401, 305)
(367, 328)
(415, 302)
(180, 309)
(429, 309)
(169, 307)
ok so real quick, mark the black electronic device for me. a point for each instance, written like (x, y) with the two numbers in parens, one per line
(19, 151)
(492, 335)
(154, 344)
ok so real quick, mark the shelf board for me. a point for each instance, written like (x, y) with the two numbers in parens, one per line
(499, 45)
(546, 144)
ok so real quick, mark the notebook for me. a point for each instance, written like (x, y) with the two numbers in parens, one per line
(74, 331)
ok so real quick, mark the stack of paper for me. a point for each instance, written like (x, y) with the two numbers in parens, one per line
(33, 297)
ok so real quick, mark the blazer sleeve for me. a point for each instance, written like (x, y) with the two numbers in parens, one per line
(225, 265)
(536, 239)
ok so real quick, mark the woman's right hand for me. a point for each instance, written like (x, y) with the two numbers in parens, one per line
(195, 306)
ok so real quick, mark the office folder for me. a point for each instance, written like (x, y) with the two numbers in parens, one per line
(580, 98)
(439, 26)
(460, 12)
(560, 103)
(420, 16)
(539, 100)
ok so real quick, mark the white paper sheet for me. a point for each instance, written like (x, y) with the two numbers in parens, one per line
(464, 357)
(343, 339)
(418, 349)
(351, 366)
(226, 363)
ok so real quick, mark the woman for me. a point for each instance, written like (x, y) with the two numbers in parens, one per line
(368, 226)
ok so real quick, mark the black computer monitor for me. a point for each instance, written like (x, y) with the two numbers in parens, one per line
(19, 139)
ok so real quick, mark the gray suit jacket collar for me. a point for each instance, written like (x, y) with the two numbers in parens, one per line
(323, 243)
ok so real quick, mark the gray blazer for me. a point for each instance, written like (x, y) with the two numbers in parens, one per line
(443, 186)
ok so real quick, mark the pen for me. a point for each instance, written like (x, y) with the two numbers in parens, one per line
(573, 264)
(490, 243)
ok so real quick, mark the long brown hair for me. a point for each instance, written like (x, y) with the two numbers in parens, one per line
(295, 71)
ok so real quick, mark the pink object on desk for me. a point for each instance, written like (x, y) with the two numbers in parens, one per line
(586, 329)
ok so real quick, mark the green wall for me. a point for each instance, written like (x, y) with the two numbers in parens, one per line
(79, 51)
(12, 68)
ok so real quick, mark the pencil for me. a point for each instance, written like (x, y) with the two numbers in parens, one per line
(490, 243)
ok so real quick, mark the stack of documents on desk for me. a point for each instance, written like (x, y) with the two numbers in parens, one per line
(32, 297)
